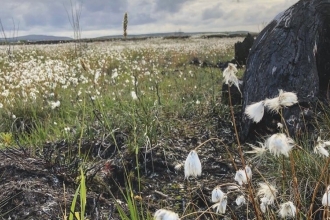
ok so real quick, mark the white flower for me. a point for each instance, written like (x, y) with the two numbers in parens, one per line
(265, 201)
(279, 144)
(192, 165)
(263, 207)
(217, 194)
(326, 197)
(163, 214)
(178, 166)
(134, 96)
(287, 98)
(279, 125)
(267, 193)
(320, 147)
(54, 105)
(258, 151)
(284, 99)
(255, 111)
(97, 76)
(287, 210)
(229, 75)
(273, 105)
(221, 206)
(240, 200)
(114, 74)
(242, 176)
(248, 171)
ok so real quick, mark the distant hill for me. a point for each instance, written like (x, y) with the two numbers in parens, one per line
(34, 38)
(46, 39)
(168, 34)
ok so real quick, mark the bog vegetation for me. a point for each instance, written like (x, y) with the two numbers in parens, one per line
(152, 92)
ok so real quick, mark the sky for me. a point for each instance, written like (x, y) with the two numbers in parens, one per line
(105, 17)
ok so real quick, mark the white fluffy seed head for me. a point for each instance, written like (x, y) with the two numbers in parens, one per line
(54, 105)
(279, 144)
(248, 172)
(319, 149)
(240, 200)
(287, 210)
(217, 194)
(229, 75)
(178, 166)
(242, 176)
(192, 165)
(163, 214)
(267, 193)
(230, 70)
(255, 111)
(221, 206)
(326, 197)
(258, 151)
(287, 99)
(263, 207)
(134, 96)
(273, 105)
(284, 99)
(279, 125)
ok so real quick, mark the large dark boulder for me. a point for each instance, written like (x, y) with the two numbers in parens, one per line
(291, 53)
(242, 49)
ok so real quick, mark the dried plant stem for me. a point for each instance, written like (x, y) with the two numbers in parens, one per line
(293, 170)
(283, 174)
(295, 182)
(251, 193)
(211, 139)
(207, 211)
(310, 212)
(235, 128)
(267, 184)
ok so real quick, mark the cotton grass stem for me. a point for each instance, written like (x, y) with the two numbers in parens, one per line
(295, 183)
(251, 194)
(292, 165)
(283, 174)
(211, 139)
(310, 212)
(82, 126)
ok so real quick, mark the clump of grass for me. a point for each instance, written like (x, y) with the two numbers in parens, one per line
(81, 192)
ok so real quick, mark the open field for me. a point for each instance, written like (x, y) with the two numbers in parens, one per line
(128, 113)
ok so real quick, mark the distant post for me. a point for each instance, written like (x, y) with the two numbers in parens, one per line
(125, 22)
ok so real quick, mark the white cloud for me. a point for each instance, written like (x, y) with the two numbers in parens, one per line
(104, 17)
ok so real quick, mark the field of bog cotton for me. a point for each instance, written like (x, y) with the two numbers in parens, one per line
(148, 129)
(124, 111)
(49, 86)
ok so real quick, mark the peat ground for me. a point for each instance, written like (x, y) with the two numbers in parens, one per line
(41, 184)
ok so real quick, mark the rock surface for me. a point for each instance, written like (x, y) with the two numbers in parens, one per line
(242, 49)
(292, 54)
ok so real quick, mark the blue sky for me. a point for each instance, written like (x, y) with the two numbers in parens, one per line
(104, 17)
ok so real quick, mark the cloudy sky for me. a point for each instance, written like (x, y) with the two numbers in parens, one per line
(104, 17)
